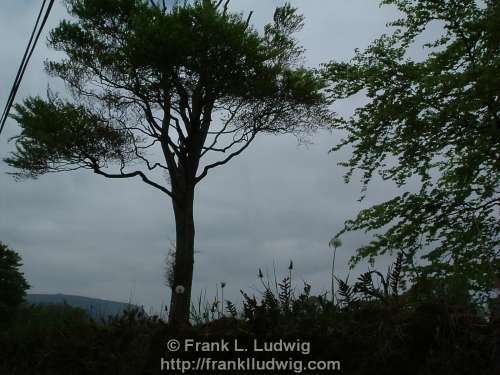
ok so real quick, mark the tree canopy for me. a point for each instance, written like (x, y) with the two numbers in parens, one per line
(437, 118)
(129, 61)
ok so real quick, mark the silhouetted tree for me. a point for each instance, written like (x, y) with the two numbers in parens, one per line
(192, 82)
(13, 285)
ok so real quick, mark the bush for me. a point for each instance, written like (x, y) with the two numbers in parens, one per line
(13, 285)
(60, 339)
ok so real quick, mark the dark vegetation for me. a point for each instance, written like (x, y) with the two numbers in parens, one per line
(374, 326)
(13, 285)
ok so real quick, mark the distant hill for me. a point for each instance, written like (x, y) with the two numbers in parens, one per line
(96, 308)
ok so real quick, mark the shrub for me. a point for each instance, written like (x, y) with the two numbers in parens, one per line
(13, 285)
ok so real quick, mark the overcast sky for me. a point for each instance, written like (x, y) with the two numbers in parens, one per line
(79, 233)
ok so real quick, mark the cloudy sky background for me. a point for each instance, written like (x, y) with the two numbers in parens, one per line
(79, 233)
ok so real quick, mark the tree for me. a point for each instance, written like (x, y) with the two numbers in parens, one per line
(437, 118)
(13, 285)
(188, 82)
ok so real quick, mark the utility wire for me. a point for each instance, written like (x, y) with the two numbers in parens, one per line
(35, 35)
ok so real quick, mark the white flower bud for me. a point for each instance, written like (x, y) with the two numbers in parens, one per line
(179, 289)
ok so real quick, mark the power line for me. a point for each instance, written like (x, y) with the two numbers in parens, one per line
(35, 35)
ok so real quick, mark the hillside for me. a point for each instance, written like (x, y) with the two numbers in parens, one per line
(95, 307)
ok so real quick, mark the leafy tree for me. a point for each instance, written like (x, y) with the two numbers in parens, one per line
(438, 118)
(13, 285)
(170, 88)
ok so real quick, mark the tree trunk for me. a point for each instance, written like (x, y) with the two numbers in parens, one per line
(180, 301)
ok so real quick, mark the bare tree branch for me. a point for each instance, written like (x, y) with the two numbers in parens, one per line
(97, 170)
(240, 139)
(166, 142)
(180, 133)
(224, 161)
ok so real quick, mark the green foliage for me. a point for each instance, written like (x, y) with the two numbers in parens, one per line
(346, 293)
(126, 61)
(281, 312)
(378, 326)
(387, 289)
(437, 118)
(231, 308)
(389, 285)
(13, 285)
(57, 134)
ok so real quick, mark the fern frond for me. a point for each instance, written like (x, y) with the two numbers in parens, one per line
(346, 292)
(232, 309)
(395, 275)
(285, 293)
